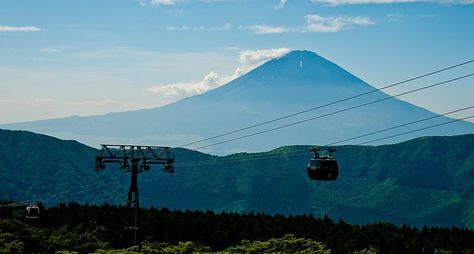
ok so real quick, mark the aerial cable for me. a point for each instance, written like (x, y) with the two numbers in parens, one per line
(330, 144)
(328, 104)
(420, 129)
(335, 112)
(90, 187)
(398, 126)
(306, 152)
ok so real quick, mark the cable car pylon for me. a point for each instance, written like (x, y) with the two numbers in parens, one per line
(140, 158)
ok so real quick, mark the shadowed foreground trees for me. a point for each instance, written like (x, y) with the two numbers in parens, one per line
(86, 229)
(286, 244)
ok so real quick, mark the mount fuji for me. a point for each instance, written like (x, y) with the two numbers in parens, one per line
(294, 82)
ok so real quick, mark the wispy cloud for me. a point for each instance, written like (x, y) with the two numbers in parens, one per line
(173, 2)
(355, 2)
(248, 59)
(185, 89)
(175, 13)
(232, 48)
(199, 28)
(317, 23)
(19, 29)
(280, 5)
(160, 2)
(212, 1)
(50, 50)
(264, 29)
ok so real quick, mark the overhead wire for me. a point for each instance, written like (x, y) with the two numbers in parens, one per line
(92, 187)
(308, 152)
(267, 156)
(399, 126)
(325, 115)
(336, 112)
(420, 129)
(328, 104)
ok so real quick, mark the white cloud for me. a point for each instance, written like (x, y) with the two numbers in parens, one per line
(280, 5)
(353, 2)
(160, 2)
(50, 50)
(213, 1)
(232, 48)
(190, 88)
(224, 27)
(249, 59)
(19, 29)
(264, 29)
(172, 2)
(317, 23)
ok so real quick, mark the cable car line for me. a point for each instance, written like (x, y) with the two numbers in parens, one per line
(87, 189)
(90, 188)
(425, 128)
(306, 152)
(314, 108)
(325, 168)
(329, 104)
(336, 112)
(398, 126)
(204, 162)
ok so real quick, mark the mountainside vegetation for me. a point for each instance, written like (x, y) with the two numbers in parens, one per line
(422, 181)
(100, 229)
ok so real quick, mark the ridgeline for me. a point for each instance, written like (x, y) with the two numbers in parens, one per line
(421, 181)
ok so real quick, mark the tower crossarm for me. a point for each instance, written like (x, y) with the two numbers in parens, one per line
(123, 155)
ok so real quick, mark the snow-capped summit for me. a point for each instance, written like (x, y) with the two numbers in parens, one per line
(297, 81)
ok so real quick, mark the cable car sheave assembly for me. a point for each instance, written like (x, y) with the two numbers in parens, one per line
(322, 167)
(139, 158)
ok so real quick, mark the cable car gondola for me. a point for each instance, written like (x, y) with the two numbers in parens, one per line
(32, 211)
(322, 168)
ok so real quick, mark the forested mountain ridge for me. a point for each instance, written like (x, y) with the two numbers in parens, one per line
(422, 181)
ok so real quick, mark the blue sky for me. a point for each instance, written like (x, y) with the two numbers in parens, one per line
(60, 58)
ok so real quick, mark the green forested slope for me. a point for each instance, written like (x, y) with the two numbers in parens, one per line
(34, 166)
(422, 181)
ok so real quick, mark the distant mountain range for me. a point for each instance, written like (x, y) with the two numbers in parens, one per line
(294, 82)
(422, 181)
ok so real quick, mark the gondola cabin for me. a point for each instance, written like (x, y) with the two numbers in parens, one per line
(32, 211)
(322, 168)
